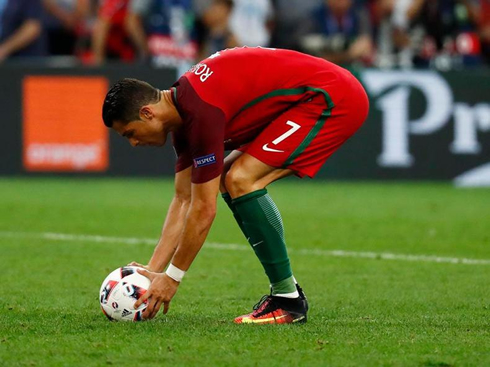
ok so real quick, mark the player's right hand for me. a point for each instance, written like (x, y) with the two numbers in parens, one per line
(161, 291)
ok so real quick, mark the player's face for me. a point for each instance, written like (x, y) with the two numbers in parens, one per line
(142, 133)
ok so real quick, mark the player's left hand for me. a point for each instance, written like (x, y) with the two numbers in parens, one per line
(134, 263)
(161, 291)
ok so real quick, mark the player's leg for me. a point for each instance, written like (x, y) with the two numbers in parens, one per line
(246, 182)
(298, 141)
(230, 158)
(258, 217)
(261, 222)
(247, 178)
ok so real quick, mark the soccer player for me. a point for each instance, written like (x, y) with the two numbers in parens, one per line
(280, 113)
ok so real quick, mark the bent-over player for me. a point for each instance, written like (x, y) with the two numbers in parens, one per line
(280, 113)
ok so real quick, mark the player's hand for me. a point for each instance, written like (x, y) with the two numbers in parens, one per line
(161, 291)
(134, 263)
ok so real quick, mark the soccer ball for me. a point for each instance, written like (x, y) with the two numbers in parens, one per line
(119, 292)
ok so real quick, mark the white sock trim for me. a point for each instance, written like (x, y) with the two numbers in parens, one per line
(294, 294)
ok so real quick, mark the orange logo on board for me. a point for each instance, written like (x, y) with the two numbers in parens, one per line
(63, 128)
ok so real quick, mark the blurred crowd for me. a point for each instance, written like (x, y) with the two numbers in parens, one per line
(444, 34)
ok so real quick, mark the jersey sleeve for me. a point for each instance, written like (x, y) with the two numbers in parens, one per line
(200, 140)
(180, 144)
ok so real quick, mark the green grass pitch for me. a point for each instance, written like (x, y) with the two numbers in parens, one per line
(366, 309)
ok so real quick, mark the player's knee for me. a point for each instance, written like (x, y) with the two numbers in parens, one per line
(238, 182)
(222, 183)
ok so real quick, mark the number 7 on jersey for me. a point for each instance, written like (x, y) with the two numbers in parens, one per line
(294, 127)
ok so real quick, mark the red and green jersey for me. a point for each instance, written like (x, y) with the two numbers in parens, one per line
(228, 99)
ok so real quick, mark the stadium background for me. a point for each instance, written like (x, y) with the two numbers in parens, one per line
(423, 63)
(396, 272)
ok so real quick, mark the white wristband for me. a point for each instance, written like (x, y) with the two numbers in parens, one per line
(175, 273)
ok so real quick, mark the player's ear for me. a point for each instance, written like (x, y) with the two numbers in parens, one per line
(146, 113)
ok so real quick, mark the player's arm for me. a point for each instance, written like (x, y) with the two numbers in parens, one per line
(200, 145)
(174, 222)
(200, 216)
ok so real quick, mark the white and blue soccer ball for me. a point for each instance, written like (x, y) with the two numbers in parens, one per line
(120, 290)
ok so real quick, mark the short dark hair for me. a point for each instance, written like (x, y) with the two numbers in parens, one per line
(125, 98)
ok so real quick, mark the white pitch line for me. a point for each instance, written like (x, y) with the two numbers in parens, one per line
(235, 247)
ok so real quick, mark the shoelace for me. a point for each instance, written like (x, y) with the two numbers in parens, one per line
(259, 306)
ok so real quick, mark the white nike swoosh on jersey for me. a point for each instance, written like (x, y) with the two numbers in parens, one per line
(256, 244)
(267, 149)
